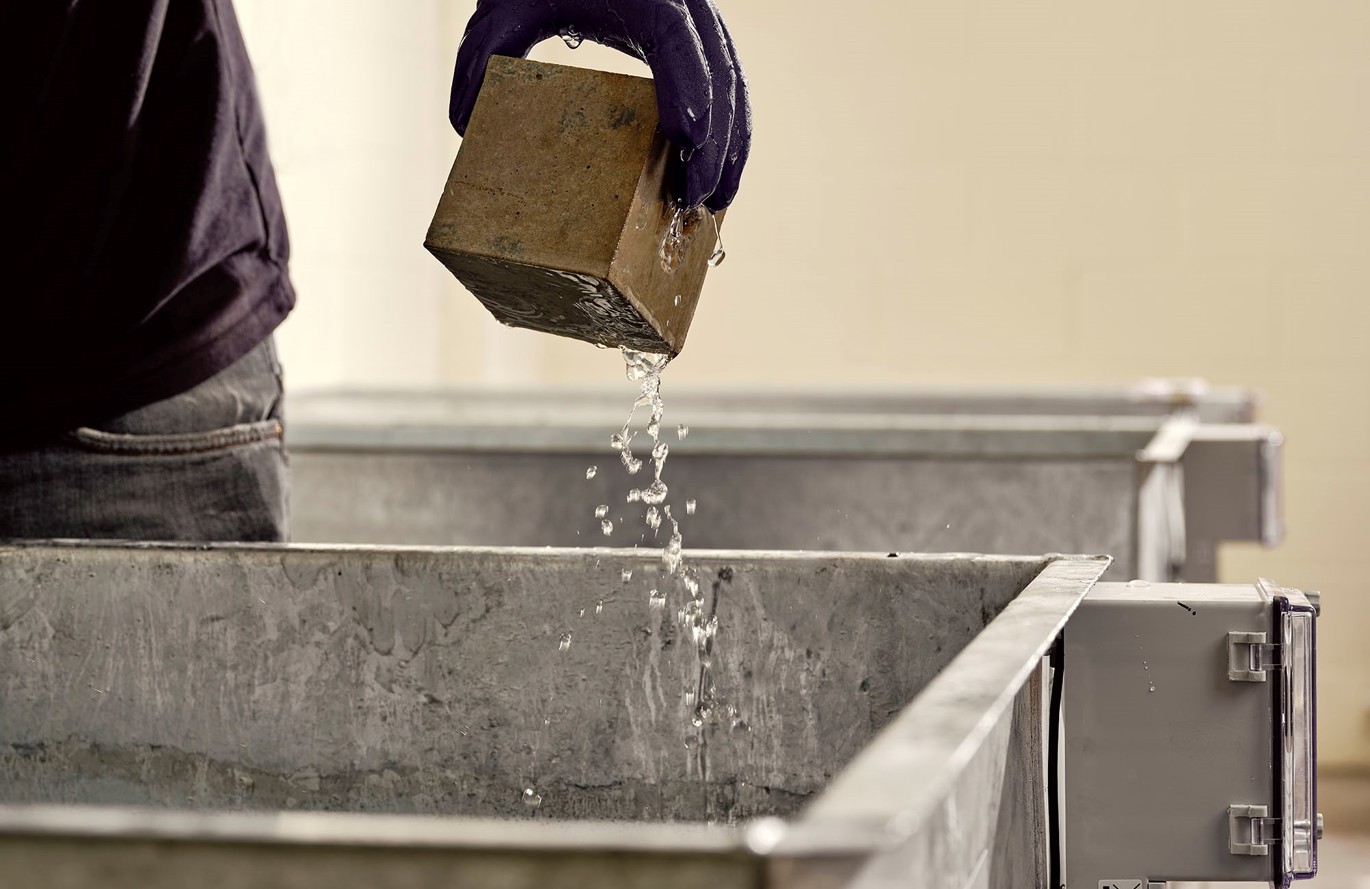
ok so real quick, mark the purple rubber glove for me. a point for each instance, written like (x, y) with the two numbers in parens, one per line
(701, 93)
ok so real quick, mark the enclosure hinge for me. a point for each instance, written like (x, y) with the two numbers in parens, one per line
(1250, 657)
(1250, 830)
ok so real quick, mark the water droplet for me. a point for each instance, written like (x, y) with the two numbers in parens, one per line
(682, 431)
(716, 258)
(601, 511)
(690, 697)
(655, 493)
(626, 574)
(591, 472)
(740, 725)
(607, 527)
(582, 612)
(656, 599)
(565, 642)
(1153, 688)
(677, 299)
(690, 112)
(653, 518)
(531, 798)
(1138, 584)
(671, 555)
(660, 451)
(572, 37)
(630, 463)
(599, 607)
(690, 507)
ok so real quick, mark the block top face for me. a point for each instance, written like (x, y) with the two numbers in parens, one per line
(548, 169)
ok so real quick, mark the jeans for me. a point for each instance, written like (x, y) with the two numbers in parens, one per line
(206, 465)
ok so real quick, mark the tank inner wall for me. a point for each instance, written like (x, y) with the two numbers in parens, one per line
(431, 681)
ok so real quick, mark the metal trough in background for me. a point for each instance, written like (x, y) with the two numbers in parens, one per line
(1155, 476)
(894, 708)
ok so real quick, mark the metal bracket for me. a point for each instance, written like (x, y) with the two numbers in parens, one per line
(1250, 657)
(1250, 830)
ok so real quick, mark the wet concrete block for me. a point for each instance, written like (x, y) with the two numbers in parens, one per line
(557, 214)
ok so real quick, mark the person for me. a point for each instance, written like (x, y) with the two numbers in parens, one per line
(147, 256)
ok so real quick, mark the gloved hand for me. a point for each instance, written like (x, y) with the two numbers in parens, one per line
(701, 93)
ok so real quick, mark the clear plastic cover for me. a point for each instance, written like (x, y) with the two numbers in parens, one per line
(1299, 740)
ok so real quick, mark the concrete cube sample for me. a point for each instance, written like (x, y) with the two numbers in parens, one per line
(557, 214)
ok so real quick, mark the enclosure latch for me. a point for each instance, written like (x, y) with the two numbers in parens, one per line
(1250, 657)
(1250, 830)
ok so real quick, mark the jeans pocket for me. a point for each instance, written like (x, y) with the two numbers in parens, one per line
(176, 444)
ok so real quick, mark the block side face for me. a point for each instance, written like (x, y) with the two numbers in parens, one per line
(569, 304)
(548, 170)
(638, 268)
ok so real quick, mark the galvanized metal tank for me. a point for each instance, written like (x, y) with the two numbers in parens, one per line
(367, 712)
(1155, 475)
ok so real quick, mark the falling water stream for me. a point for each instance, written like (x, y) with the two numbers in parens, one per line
(696, 615)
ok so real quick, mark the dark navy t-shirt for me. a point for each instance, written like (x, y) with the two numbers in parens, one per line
(146, 248)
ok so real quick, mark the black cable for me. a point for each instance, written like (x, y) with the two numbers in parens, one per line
(1057, 660)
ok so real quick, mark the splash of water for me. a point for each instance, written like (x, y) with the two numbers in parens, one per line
(679, 233)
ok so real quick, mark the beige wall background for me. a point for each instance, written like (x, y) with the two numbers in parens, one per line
(979, 191)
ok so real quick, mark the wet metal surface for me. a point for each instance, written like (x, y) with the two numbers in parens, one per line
(384, 681)
(421, 681)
